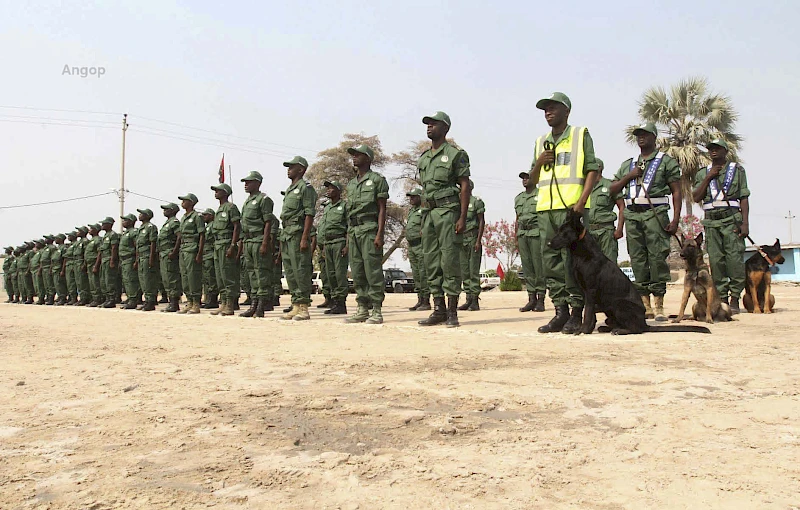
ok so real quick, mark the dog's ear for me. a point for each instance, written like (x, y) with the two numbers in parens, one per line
(777, 244)
(699, 239)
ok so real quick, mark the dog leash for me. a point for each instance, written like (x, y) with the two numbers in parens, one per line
(550, 146)
(761, 252)
(643, 166)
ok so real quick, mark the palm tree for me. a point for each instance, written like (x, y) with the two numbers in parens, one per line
(688, 117)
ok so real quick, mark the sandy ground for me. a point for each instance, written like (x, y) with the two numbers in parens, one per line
(110, 409)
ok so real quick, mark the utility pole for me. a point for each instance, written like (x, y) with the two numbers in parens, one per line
(790, 218)
(122, 172)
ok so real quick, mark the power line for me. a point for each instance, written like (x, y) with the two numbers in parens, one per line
(58, 110)
(254, 150)
(56, 201)
(145, 196)
(68, 124)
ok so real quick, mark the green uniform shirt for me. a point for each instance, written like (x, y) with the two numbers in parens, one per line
(603, 203)
(69, 252)
(146, 234)
(12, 266)
(333, 224)
(439, 171)
(24, 262)
(224, 222)
(299, 201)
(362, 199)
(668, 171)
(476, 207)
(36, 260)
(168, 235)
(91, 247)
(527, 218)
(738, 189)
(47, 251)
(56, 256)
(79, 247)
(7, 265)
(256, 212)
(127, 243)
(414, 225)
(208, 246)
(110, 239)
(191, 226)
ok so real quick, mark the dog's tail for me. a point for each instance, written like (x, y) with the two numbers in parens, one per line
(679, 329)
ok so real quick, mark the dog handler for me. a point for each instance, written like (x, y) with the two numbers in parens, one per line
(722, 189)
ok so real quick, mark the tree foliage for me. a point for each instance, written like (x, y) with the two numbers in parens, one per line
(499, 241)
(688, 116)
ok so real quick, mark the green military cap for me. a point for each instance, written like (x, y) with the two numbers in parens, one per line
(440, 116)
(224, 187)
(297, 160)
(555, 97)
(170, 206)
(108, 219)
(189, 196)
(335, 184)
(524, 175)
(719, 142)
(362, 149)
(94, 226)
(49, 237)
(416, 192)
(82, 229)
(38, 241)
(61, 236)
(29, 244)
(648, 127)
(600, 162)
(254, 176)
(72, 234)
(148, 212)
(9, 248)
(129, 217)
(209, 211)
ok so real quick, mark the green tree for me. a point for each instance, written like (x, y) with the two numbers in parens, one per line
(688, 116)
(336, 164)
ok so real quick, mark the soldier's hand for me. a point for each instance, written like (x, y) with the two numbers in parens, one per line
(546, 158)
(618, 234)
(672, 227)
(230, 252)
(303, 244)
(136, 265)
(635, 173)
(151, 264)
(461, 225)
(378, 242)
(344, 251)
(477, 247)
(95, 269)
(172, 255)
(198, 259)
(579, 207)
(713, 173)
(262, 250)
(112, 264)
(743, 230)
(62, 274)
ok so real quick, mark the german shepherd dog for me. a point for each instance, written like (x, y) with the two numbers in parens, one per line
(698, 281)
(605, 287)
(758, 297)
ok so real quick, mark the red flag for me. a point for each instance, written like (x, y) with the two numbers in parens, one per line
(500, 272)
(222, 170)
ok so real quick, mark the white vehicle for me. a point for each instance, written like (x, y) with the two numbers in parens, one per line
(316, 283)
(489, 282)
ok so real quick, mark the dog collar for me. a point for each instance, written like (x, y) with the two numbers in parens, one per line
(583, 234)
(766, 257)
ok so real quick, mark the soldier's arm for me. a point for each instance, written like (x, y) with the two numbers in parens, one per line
(590, 168)
(481, 226)
(381, 219)
(677, 203)
(114, 255)
(201, 243)
(177, 247)
(622, 179)
(621, 219)
(153, 246)
(700, 189)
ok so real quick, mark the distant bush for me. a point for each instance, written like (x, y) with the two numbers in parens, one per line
(511, 281)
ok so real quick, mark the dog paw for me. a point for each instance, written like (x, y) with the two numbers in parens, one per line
(675, 321)
(767, 311)
(709, 321)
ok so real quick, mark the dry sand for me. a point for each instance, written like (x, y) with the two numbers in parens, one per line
(110, 409)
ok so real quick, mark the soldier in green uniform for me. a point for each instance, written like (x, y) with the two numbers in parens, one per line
(36, 271)
(7, 273)
(91, 252)
(277, 271)
(600, 216)
(191, 238)
(147, 259)
(47, 273)
(529, 244)
(647, 180)
(81, 278)
(319, 251)
(57, 265)
(244, 279)
(472, 251)
(443, 170)
(722, 189)
(333, 233)
(564, 169)
(13, 275)
(297, 216)
(127, 262)
(69, 268)
(23, 274)
(108, 263)
(415, 254)
(210, 287)
(168, 249)
(257, 225)
(226, 229)
(367, 194)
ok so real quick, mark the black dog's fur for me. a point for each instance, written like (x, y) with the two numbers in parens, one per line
(758, 296)
(605, 287)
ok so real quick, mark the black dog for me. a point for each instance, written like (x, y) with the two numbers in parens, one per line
(605, 287)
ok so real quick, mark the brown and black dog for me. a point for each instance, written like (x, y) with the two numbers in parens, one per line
(758, 296)
(698, 281)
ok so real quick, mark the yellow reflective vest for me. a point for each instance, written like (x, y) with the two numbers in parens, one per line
(563, 191)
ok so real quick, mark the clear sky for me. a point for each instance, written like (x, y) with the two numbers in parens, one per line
(292, 77)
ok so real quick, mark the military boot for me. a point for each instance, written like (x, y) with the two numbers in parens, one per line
(132, 304)
(531, 303)
(326, 304)
(659, 308)
(276, 301)
(439, 314)
(361, 315)
(268, 307)
(173, 305)
(339, 308)
(735, 310)
(189, 305)
(417, 305)
(259, 312)
(648, 309)
(149, 306)
(294, 310)
(252, 310)
(195, 308)
(50, 301)
(575, 321)
(229, 309)
(557, 322)
(425, 306)
(376, 317)
(212, 302)
(110, 304)
(302, 313)
(452, 312)
(475, 305)
(467, 303)
(539, 307)
(248, 301)
(164, 299)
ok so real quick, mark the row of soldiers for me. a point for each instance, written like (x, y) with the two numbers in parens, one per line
(444, 231)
